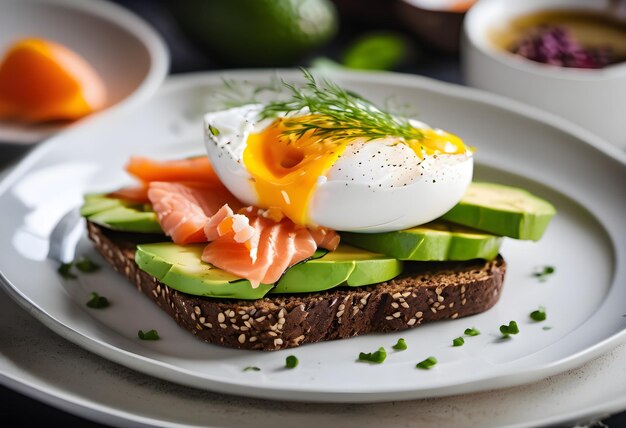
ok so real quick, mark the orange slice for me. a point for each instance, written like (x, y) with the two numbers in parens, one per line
(41, 80)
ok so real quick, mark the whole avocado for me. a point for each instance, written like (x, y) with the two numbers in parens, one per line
(258, 32)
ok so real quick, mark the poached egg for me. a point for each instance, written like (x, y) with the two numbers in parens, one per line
(347, 184)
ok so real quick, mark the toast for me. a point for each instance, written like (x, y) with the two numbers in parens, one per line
(424, 292)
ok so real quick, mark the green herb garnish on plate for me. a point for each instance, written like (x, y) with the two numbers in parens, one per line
(148, 335)
(291, 362)
(400, 345)
(427, 364)
(86, 265)
(252, 369)
(459, 341)
(508, 330)
(539, 315)
(97, 302)
(544, 273)
(83, 264)
(65, 270)
(374, 357)
(471, 332)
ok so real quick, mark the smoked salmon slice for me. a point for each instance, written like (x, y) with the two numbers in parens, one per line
(279, 245)
(196, 169)
(137, 194)
(273, 247)
(325, 238)
(249, 243)
(192, 206)
(183, 209)
(226, 223)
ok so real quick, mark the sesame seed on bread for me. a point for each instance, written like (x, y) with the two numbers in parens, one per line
(424, 292)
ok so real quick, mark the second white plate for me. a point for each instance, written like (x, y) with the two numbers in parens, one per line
(130, 57)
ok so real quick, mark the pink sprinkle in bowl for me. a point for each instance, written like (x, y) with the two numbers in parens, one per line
(592, 98)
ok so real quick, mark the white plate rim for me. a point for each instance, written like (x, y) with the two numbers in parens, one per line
(135, 361)
(104, 413)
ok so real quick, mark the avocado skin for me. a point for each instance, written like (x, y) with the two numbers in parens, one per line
(435, 241)
(503, 210)
(118, 214)
(257, 33)
(180, 267)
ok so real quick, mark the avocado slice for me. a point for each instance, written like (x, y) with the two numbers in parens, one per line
(180, 267)
(95, 203)
(345, 266)
(503, 210)
(435, 241)
(118, 214)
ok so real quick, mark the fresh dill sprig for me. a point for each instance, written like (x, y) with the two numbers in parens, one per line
(335, 113)
(236, 93)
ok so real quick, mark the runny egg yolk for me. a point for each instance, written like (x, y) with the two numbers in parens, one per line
(286, 167)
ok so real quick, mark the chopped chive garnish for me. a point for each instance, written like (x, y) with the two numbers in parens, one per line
(374, 357)
(85, 265)
(510, 329)
(252, 369)
(97, 302)
(544, 272)
(291, 362)
(400, 345)
(214, 130)
(539, 314)
(427, 363)
(148, 335)
(65, 271)
(546, 328)
(471, 332)
(459, 341)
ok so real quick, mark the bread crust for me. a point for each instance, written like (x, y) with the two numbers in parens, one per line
(424, 292)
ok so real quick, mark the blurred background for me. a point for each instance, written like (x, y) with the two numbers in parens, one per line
(358, 34)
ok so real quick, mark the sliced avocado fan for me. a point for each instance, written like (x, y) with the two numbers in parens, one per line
(180, 267)
(503, 210)
(435, 241)
(117, 214)
(346, 265)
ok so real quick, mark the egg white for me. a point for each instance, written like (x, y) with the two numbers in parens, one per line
(375, 186)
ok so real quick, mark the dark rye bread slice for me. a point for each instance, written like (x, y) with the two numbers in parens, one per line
(424, 292)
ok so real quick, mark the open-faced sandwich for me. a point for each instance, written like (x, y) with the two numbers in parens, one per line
(314, 217)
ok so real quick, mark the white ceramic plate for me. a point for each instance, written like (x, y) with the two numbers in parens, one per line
(127, 53)
(586, 243)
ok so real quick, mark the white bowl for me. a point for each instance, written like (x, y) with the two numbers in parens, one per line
(594, 99)
(128, 54)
